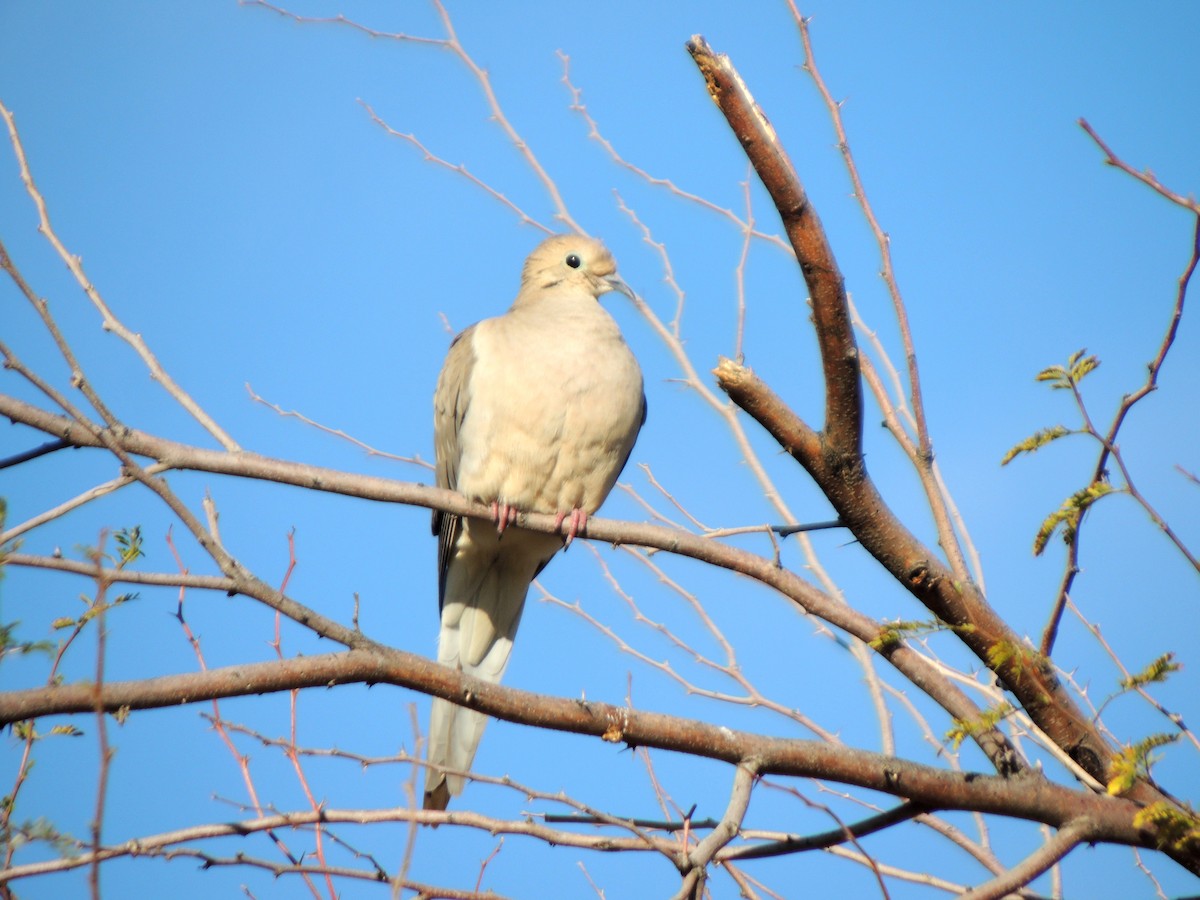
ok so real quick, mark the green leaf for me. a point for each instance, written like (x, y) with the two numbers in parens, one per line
(1035, 441)
(1020, 657)
(1079, 366)
(1176, 828)
(130, 542)
(893, 633)
(9, 643)
(42, 830)
(1068, 515)
(988, 719)
(1056, 375)
(1155, 672)
(1134, 762)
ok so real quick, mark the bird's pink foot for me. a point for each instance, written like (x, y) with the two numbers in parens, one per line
(503, 515)
(579, 519)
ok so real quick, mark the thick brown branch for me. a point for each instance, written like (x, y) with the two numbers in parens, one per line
(835, 333)
(957, 603)
(249, 465)
(836, 463)
(1029, 797)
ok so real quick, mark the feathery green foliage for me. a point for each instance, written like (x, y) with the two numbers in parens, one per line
(1036, 441)
(966, 728)
(1157, 671)
(1174, 828)
(1134, 762)
(1078, 367)
(1068, 515)
(130, 542)
(893, 633)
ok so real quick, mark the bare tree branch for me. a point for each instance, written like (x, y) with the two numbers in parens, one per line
(1108, 441)
(833, 457)
(1069, 836)
(1059, 718)
(696, 862)
(250, 465)
(109, 321)
(1028, 797)
(452, 43)
(922, 453)
(801, 843)
(842, 435)
(1146, 177)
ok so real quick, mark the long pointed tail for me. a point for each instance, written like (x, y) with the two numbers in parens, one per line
(481, 610)
(454, 735)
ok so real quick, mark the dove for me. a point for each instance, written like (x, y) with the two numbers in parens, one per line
(536, 410)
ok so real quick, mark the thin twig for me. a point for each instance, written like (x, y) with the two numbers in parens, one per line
(104, 769)
(25, 456)
(1108, 441)
(800, 843)
(62, 509)
(109, 321)
(1146, 177)
(496, 111)
(336, 432)
(577, 105)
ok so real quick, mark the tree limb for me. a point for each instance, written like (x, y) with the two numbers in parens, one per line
(833, 457)
(1068, 838)
(1029, 796)
(175, 455)
(842, 435)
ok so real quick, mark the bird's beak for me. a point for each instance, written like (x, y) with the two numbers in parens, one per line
(616, 284)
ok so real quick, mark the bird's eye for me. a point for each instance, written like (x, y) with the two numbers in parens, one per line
(573, 261)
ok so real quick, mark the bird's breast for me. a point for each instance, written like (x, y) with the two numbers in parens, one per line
(550, 424)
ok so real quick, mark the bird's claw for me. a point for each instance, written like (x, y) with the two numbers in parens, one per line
(579, 519)
(503, 515)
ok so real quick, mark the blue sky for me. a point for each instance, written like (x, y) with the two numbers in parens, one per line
(216, 169)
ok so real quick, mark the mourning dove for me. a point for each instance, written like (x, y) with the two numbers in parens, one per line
(536, 410)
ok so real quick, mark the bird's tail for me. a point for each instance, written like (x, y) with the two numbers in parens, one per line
(481, 610)
(454, 735)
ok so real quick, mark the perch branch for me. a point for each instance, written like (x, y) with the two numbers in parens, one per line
(250, 465)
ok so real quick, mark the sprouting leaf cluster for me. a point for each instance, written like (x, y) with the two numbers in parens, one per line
(1135, 761)
(986, 721)
(1079, 366)
(1067, 517)
(1157, 671)
(892, 634)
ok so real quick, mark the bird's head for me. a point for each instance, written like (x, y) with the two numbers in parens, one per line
(571, 260)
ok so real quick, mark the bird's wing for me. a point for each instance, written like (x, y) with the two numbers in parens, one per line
(451, 401)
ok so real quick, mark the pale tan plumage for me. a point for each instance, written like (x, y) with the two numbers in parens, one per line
(535, 410)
